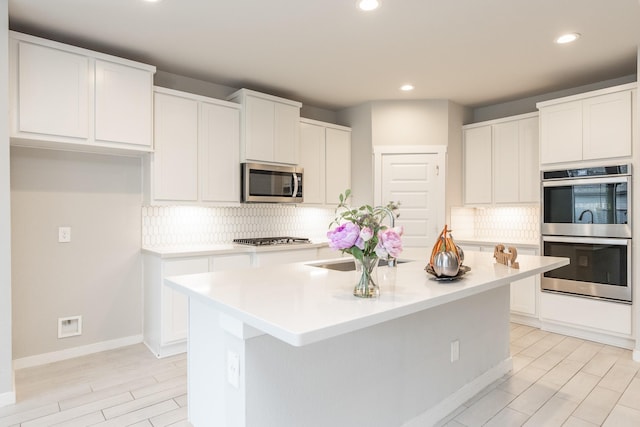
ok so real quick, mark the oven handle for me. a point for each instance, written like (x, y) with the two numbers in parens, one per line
(585, 181)
(588, 240)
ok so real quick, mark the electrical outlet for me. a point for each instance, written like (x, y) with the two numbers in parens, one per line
(64, 234)
(233, 369)
(69, 326)
(455, 350)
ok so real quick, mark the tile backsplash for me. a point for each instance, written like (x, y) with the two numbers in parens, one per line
(196, 225)
(516, 223)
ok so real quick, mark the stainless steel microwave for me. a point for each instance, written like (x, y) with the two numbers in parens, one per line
(265, 183)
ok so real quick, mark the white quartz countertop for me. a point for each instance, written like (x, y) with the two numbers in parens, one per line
(301, 304)
(205, 250)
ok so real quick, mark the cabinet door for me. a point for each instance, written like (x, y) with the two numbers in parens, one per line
(338, 163)
(175, 305)
(477, 165)
(312, 159)
(607, 126)
(123, 104)
(53, 92)
(286, 137)
(505, 162)
(529, 165)
(175, 159)
(561, 133)
(259, 129)
(524, 292)
(219, 153)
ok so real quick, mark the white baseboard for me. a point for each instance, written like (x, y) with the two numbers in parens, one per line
(522, 319)
(168, 350)
(451, 403)
(7, 399)
(70, 353)
(590, 335)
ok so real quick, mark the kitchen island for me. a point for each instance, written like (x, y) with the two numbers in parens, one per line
(289, 345)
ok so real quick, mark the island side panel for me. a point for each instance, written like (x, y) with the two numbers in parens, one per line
(212, 401)
(395, 373)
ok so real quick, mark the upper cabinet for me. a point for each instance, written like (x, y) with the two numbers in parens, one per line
(325, 155)
(269, 127)
(591, 126)
(196, 156)
(501, 161)
(71, 98)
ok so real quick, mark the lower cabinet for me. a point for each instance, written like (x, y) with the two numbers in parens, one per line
(165, 310)
(524, 293)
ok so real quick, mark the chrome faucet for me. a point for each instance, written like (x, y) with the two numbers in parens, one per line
(391, 262)
(584, 212)
(392, 218)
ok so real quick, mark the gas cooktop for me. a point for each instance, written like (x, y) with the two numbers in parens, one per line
(268, 241)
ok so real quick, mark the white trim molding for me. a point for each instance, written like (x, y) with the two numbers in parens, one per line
(7, 399)
(440, 413)
(440, 150)
(70, 353)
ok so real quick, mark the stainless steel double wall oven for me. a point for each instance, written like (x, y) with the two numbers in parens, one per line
(586, 216)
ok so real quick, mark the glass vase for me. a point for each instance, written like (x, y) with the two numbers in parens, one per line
(366, 273)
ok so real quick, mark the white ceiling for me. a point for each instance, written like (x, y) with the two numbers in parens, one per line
(328, 54)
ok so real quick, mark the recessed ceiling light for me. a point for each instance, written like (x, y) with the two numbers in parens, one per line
(153, 1)
(406, 87)
(368, 5)
(567, 38)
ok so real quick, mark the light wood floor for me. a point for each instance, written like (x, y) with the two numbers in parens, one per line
(556, 381)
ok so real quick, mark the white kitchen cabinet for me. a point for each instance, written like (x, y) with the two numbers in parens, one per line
(123, 111)
(477, 165)
(165, 310)
(174, 163)
(338, 163)
(174, 314)
(66, 97)
(591, 126)
(196, 156)
(524, 293)
(218, 152)
(325, 155)
(53, 90)
(269, 127)
(501, 161)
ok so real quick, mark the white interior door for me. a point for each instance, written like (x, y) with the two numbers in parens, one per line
(417, 182)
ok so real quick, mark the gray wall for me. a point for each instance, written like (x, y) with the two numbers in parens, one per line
(213, 90)
(528, 105)
(6, 373)
(417, 122)
(98, 275)
(421, 122)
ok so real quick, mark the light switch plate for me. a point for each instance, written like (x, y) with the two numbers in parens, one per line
(64, 234)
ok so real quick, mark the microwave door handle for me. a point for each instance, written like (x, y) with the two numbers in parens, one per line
(295, 185)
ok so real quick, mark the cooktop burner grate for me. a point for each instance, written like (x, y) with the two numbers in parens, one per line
(268, 241)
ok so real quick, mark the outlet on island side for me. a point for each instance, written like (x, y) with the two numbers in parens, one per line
(455, 350)
(233, 369)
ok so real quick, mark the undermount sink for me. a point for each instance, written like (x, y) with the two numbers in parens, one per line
(347, 264)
